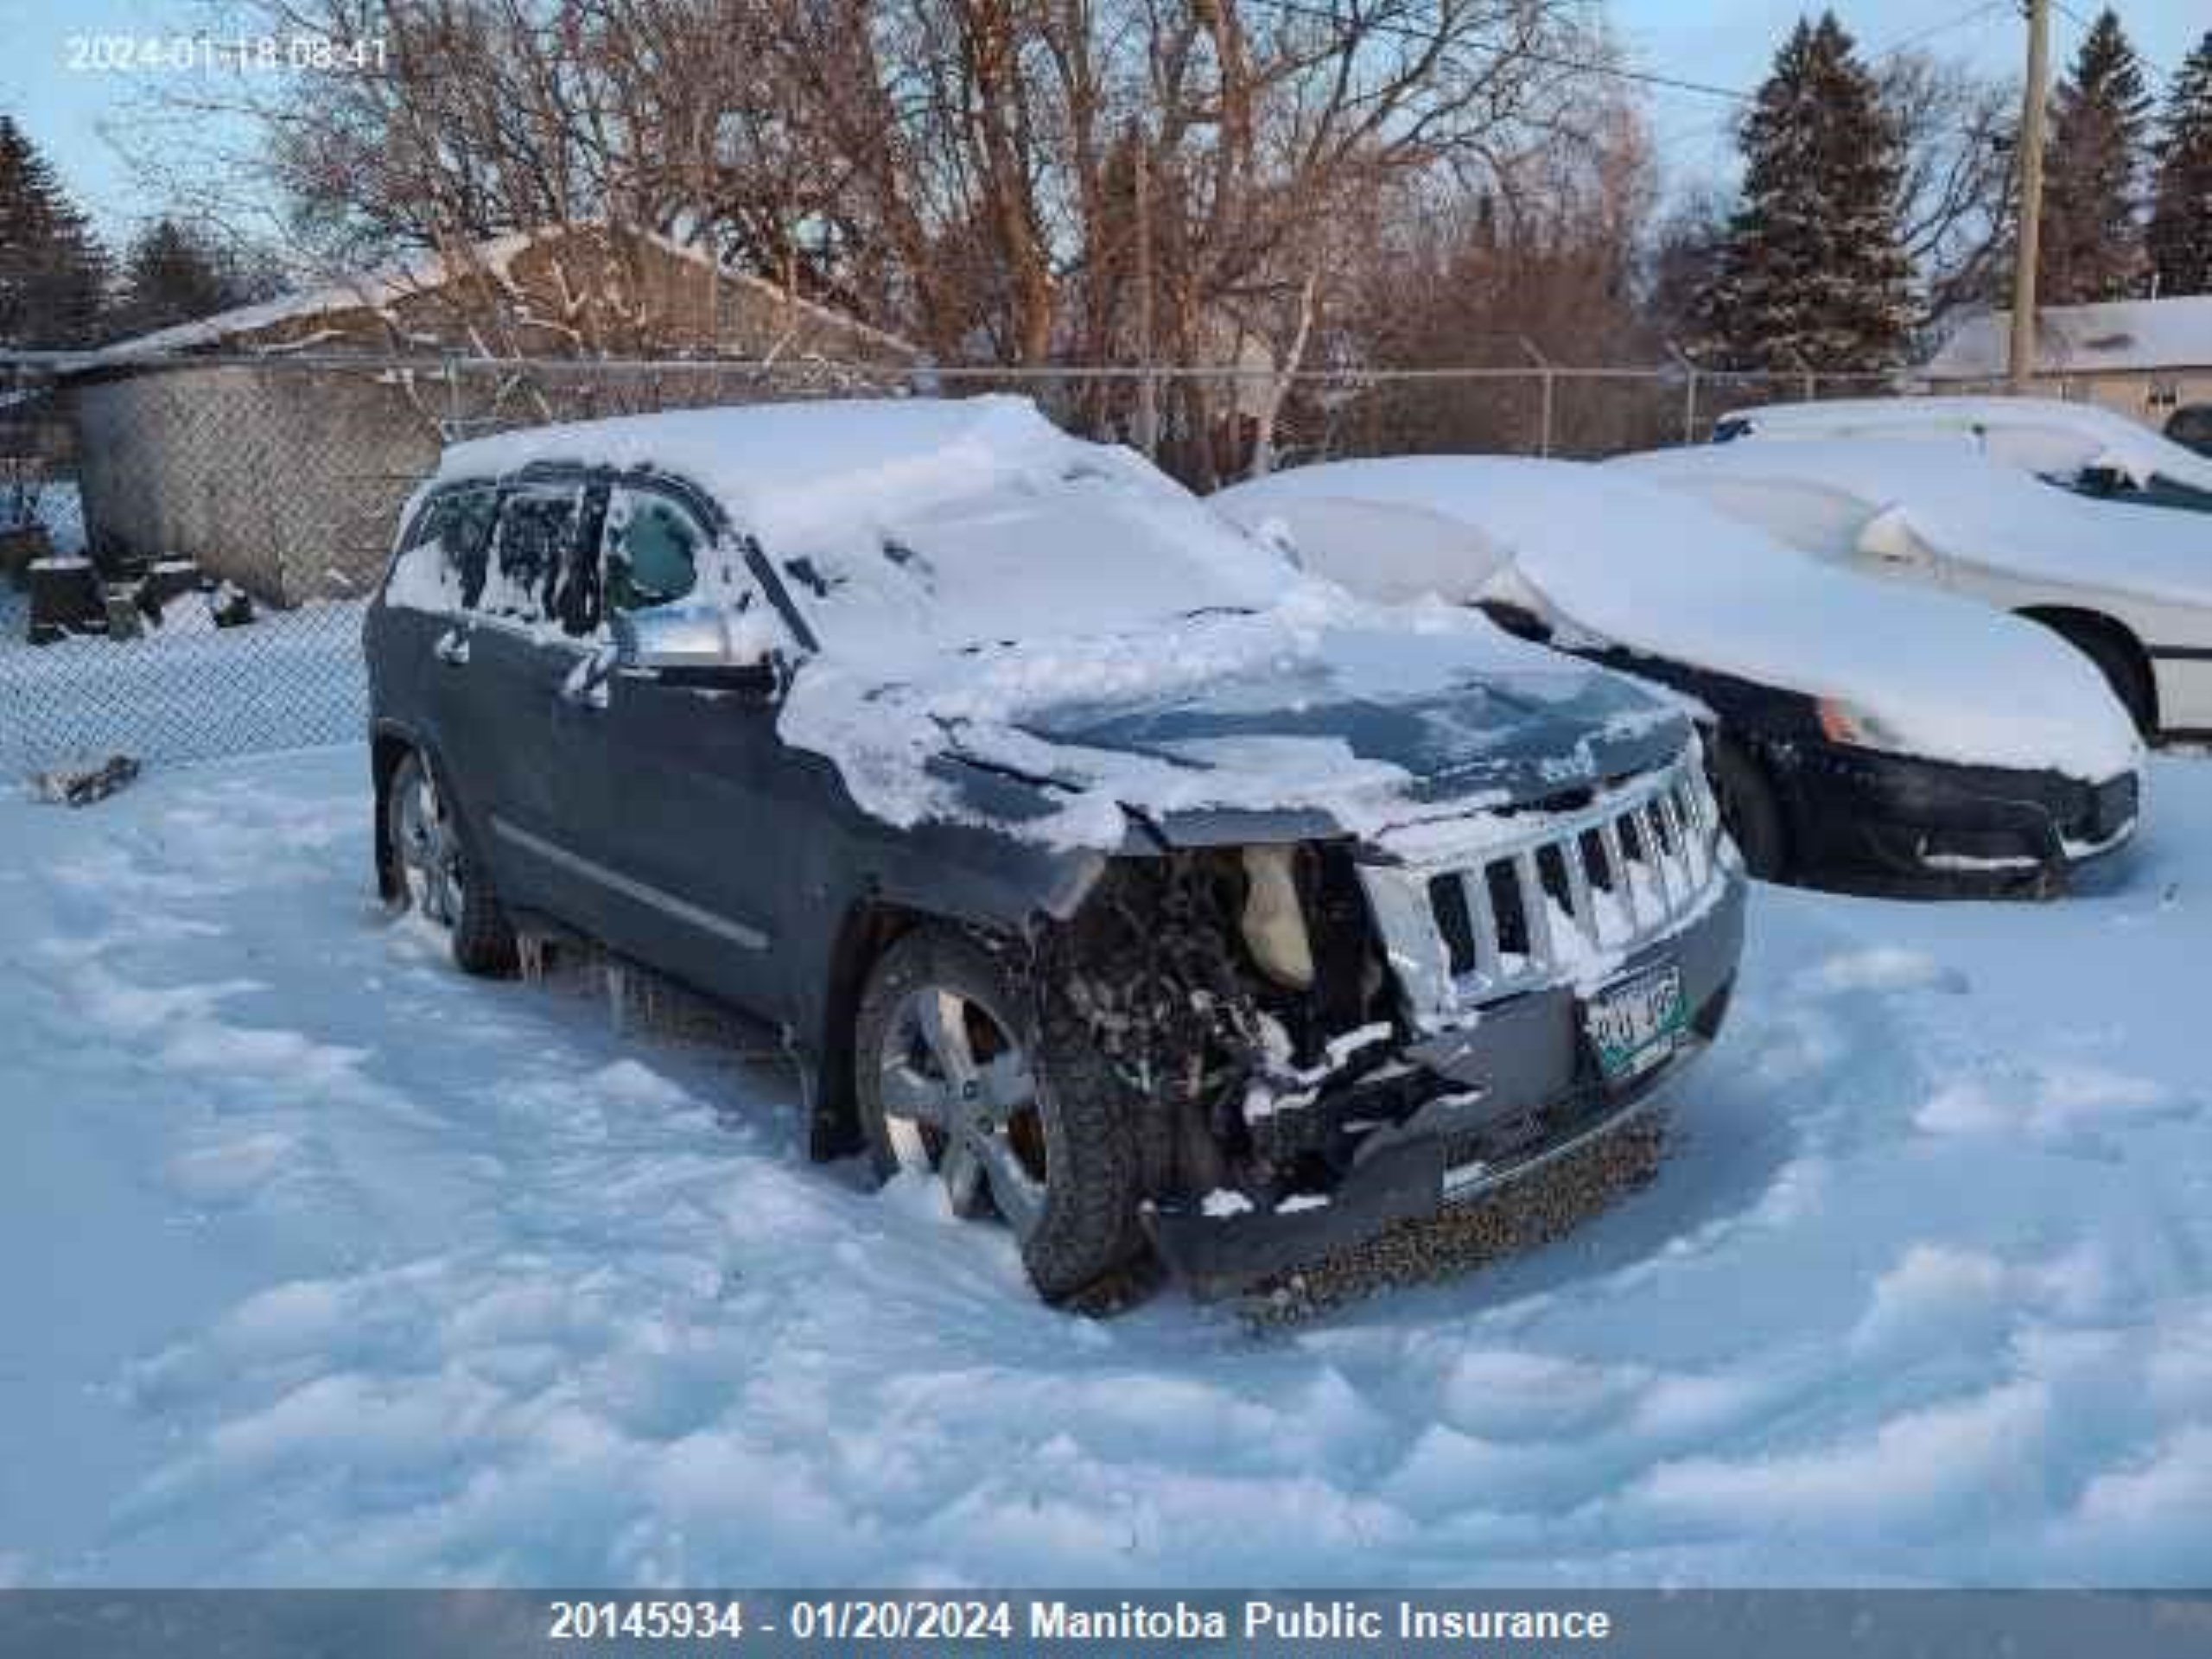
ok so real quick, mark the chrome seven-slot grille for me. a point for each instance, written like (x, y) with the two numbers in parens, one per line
(1540, 895)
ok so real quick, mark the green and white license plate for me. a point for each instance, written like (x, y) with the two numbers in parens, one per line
(1634, 1023)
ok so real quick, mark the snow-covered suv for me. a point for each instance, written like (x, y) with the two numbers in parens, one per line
(1149, 894)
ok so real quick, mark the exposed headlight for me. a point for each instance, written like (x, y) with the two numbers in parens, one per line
(1274, 921)
(1848, 723)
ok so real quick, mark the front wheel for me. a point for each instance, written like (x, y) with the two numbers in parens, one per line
(438, 876)
(956, 1082)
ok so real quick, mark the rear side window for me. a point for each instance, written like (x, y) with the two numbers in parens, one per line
(2192, 427)
(532, 554)
(654, 546)
(441, 564)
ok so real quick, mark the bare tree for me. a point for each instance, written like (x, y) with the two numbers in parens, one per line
(1956, 190)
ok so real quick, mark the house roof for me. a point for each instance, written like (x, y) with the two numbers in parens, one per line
(2127, 336)
(427, 272)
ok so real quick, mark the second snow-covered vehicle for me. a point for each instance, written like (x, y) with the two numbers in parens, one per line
(2079, 446)
(2130, 589)
(1149, 894)
(1862, 737)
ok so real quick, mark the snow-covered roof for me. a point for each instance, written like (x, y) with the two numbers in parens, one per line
(425, 273)
(1006, 526)
(1661, 574)
(2039, 435)
(1974, 510)
(2139, 336)
(773, 465)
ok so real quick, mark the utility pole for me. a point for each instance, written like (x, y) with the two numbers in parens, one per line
(1148, 389)
(2028, 242)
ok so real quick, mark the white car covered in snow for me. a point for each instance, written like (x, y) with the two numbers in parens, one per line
(2131, 591)
(2080, 446)
(1867, 738)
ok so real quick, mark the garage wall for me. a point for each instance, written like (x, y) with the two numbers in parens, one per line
(283, 480)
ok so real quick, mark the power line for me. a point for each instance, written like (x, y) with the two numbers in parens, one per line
(1973, 14)
(2086, 24)
(1550, 61)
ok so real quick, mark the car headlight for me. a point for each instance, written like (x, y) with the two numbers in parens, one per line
(1848, 723)
(1273, 921)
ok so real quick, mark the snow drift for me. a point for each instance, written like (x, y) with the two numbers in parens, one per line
(324, 1266)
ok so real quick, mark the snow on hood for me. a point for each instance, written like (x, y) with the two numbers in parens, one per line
(2040, 435)
(986, 589)
(1356, 718)
(1658, 573)
(1351, 718)
(1971, 509)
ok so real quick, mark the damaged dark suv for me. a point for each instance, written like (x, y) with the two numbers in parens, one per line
(1155, 897)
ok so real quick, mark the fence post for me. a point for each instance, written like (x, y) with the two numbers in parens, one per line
(1689, 391)
(1546, 377)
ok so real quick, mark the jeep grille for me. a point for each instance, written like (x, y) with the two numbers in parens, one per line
(1481, 908)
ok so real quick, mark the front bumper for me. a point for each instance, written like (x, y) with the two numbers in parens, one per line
(1897, 826)
(1510, 1092)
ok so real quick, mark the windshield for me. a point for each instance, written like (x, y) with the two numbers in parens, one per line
(1091, 550)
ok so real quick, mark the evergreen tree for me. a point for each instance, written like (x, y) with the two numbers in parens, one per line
(2181, 215)
(54, 273)
(171, 275)
(1812, 274)
(2092, 243)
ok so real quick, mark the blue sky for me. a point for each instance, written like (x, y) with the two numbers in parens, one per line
(1729, 42)
(1732, 43)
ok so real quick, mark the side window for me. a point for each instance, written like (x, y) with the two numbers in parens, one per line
(653, 545)
(531, 553)
(441, 565)
(2191, 426)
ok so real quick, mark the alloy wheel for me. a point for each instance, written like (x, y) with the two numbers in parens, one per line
(959, 1098)
(428, 849)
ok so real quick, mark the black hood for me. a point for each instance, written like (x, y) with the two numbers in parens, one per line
(1497, 738)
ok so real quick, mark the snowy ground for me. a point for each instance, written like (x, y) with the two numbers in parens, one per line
(321, 1264)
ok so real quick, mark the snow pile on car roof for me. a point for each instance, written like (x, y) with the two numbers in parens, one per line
(802, 470)
(1973, 510)
(2041, 434)
(1665, 576)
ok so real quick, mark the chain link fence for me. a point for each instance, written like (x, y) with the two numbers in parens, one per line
(187, 545)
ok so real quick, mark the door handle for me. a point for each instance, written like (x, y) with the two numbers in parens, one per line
(586, 685)
(451, 648)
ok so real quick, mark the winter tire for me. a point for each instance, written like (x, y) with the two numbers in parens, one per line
(957, 1078)
(438, 875)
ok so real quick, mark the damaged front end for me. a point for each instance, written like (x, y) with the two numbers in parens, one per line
(1320, 1038)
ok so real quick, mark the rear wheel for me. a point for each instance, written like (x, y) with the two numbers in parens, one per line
(956, 1083)
(439, 877)
(1750, 810)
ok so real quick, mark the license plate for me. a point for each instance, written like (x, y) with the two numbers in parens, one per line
(1634, 1024)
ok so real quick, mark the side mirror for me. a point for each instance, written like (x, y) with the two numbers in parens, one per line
(1889, 536)
(703, 647)
(1275, 534)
